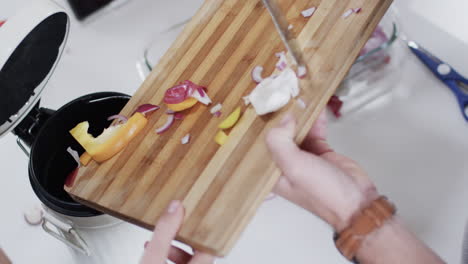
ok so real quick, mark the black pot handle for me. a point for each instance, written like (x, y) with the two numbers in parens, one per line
(29, 127)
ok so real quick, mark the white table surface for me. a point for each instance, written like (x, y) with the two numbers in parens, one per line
(413, 142)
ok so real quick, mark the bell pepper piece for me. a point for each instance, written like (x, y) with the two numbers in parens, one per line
(188, 103)
(85, 158)
(221, 138)
(231, 120)
(112, 140)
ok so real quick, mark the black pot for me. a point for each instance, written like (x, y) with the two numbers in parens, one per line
(47, 132)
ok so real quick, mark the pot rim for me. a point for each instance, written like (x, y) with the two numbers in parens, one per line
(74, 209)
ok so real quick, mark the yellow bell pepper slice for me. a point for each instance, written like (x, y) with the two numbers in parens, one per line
(112, 140)
(221, 138)
(231, 120)
(85, 158)
(188, 103)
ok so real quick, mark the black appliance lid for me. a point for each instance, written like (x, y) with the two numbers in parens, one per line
(31, 44)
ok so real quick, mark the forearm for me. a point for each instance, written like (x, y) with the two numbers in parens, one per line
(393, 243)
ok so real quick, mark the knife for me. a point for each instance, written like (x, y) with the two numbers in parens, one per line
(281, 24)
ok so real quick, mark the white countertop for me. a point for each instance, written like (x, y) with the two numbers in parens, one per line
(413, 142)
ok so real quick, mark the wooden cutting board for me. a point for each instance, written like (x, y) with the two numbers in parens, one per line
(222, 187)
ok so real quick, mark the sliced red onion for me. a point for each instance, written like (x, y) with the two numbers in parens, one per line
(122, 119)
(70, 180)
(217, 114)
(348, 13)
(201, 91)
(195, 90)
(301, 71)
(167, 125)
(74, 155)
(257, 74)
(176, 94)
(179, 93)
(282, 65)
(335, 105)
(282, 62)
(301, 103)
(179, 116)
(170, 112)
(146, 109)
(185, 140)
(216, 108)
(2, 22)
(202, 99)
(34, 216)
(357, 10)
(308, 12)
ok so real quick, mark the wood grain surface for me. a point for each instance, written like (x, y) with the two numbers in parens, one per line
(222, 187)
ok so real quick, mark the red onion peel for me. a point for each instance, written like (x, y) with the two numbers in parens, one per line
(121, 119)
(167, 125)
(335, 105)
(146, 109)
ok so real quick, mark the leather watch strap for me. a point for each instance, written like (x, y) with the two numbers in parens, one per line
(367, 221)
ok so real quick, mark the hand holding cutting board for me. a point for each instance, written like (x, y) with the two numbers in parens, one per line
(159, 249)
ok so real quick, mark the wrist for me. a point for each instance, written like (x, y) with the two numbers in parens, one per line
(355, 203)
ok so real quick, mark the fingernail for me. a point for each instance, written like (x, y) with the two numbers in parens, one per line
(173, 206)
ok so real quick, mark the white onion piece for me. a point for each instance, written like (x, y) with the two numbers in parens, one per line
(308, 12)
(75, 155)
(274, 93)
(185, 140)
(122, 119)
(257, 74)
(246, 100)
(205, 99)
(348, 13)
(167, 125)
(282, 62)
(34, 216)
(301, 103)
(216, 108)
(290, 27)
(301, 71)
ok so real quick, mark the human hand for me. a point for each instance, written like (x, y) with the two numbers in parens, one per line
(159, 249)
(315, 177)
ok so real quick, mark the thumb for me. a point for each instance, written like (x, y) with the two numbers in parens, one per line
(165, 231)
(280, 141)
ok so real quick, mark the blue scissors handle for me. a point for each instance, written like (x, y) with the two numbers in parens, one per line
(461, 95)
(446, 74)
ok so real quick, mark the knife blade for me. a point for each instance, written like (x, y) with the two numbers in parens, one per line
(282, 25)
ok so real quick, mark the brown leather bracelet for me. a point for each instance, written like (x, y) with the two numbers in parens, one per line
(367, 221)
